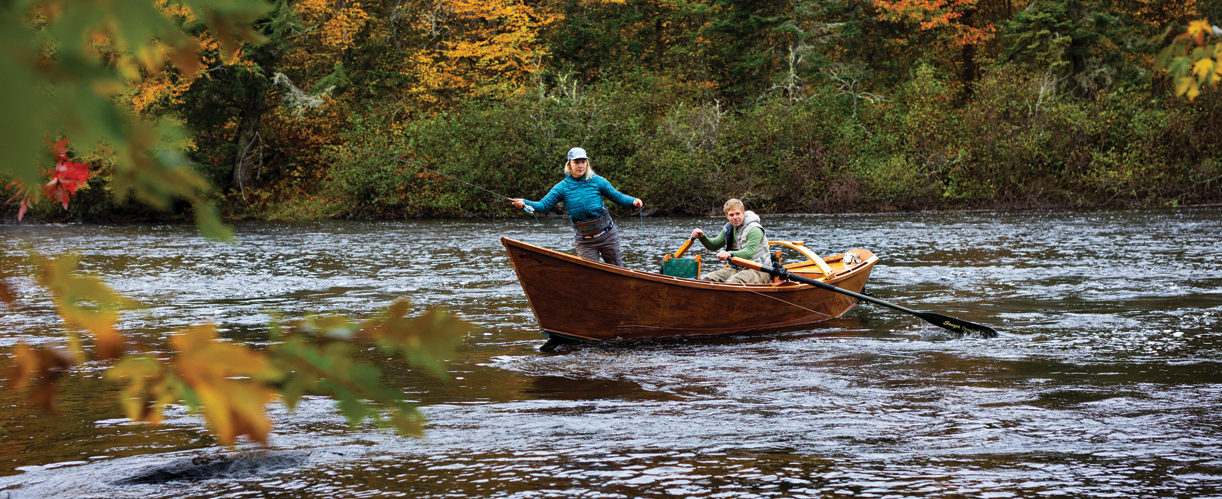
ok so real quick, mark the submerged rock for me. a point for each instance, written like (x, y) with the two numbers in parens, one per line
(217, 466)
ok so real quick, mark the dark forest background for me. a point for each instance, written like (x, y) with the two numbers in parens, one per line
(790, 105)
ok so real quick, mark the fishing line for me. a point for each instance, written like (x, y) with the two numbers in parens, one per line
(401, 160)
(783, 301)
(530, 209)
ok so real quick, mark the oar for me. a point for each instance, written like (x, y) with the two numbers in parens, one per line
(944, 321)
(683, 249)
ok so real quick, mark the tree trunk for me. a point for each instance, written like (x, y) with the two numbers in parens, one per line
(248, 139)
(969, 58)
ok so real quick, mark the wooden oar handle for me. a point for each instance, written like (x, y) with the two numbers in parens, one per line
(683, 249)
(747, 263)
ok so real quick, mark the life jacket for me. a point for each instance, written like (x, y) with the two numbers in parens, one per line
(736, 238)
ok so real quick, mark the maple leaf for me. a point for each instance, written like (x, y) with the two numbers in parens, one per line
(1203, 68)
(425, 341)
(26, 195)
(1199, 29)
(230, 382)
(149, 390)
(1187, 85)
(83, 301)
(67, 176)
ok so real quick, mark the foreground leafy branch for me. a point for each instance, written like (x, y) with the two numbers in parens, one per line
(1193, 59)
(229, 383)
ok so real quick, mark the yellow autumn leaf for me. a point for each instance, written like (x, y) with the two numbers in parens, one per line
(149, 387)
(230, 381)
(1203, 68)
(83, 302)
(1199, 29)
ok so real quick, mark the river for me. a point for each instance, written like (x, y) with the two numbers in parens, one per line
(1104, 382)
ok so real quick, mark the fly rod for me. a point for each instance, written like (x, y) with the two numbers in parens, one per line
(404, 161)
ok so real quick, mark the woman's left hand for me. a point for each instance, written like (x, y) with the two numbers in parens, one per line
(638, 203)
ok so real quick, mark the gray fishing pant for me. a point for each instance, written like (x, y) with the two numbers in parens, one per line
(606, 245)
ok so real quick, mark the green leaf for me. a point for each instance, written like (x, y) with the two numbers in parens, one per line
(208, 220)
(21, 139)
(425, 341)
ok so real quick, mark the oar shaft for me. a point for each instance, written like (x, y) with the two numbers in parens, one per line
(943, 321)
(683, 249)
(785, 274)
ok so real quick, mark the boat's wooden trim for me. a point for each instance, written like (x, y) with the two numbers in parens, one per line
(801, 248)
(653, 276)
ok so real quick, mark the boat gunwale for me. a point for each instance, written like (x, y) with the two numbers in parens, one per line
(784, 286)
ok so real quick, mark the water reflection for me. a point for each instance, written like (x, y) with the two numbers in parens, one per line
(1103, 383)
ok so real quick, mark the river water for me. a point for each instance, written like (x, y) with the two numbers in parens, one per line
(1104, 382)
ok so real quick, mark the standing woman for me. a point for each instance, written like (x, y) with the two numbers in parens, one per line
(582, 192)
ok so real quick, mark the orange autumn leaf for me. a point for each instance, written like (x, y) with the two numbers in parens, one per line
(46, 364)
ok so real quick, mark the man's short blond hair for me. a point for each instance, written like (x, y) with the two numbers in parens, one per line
(733, 203)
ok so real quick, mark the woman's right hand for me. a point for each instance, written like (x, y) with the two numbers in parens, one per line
(518, 202)
(697, 233)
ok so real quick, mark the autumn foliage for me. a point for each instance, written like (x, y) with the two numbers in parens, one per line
(1194, 59)
(229, 383)
(943, 15)
(84, 71)
(65, 178)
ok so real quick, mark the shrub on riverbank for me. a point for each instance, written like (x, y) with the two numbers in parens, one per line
(1019, 141)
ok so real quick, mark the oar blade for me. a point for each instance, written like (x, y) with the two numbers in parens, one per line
(959, 325)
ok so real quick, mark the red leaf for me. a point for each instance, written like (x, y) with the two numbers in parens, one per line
(67, 175)
(59, 149)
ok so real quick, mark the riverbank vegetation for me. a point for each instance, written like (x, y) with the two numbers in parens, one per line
(793, 106)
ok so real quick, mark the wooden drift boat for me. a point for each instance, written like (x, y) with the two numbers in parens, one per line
(573, 298)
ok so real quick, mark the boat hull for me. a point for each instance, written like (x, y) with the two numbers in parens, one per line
(584, 299)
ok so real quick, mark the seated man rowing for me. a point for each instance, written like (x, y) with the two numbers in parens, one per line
(742, 237)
